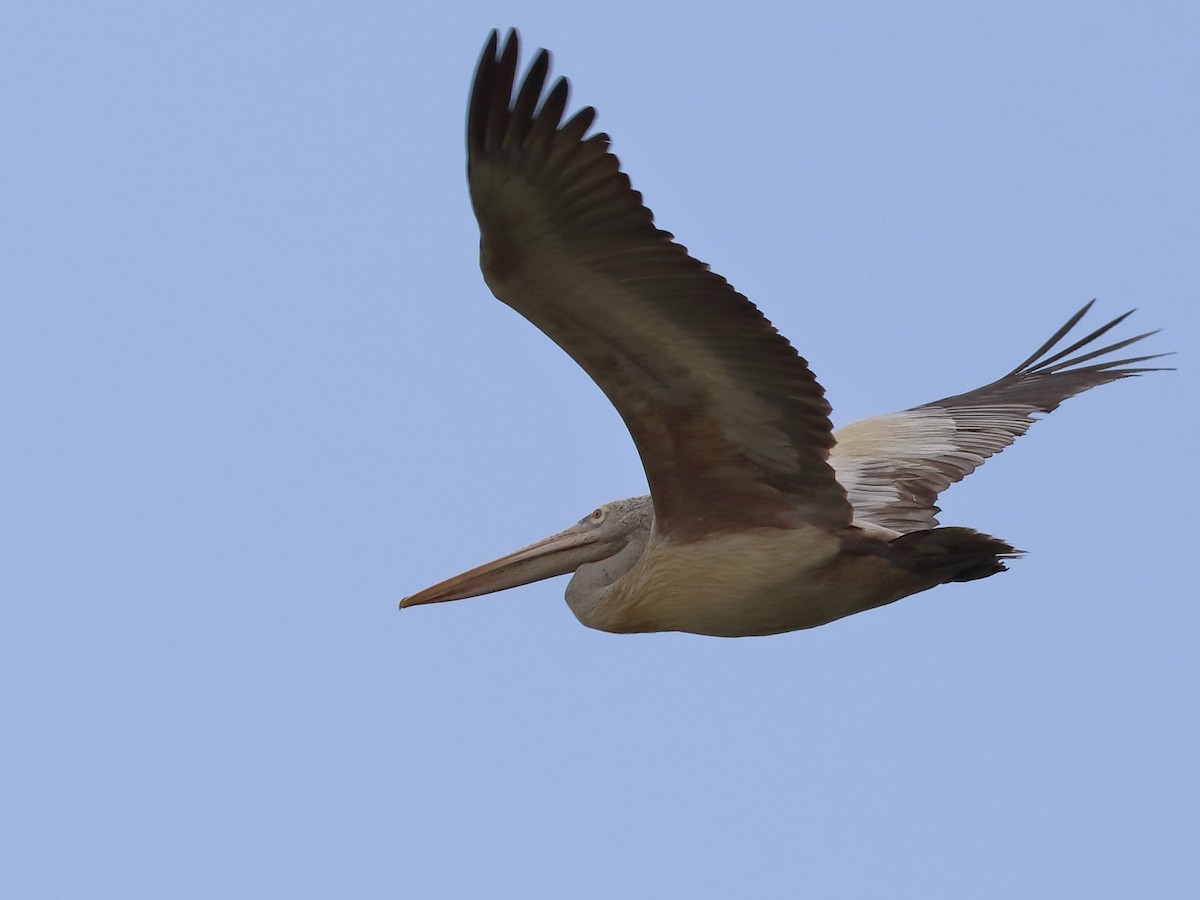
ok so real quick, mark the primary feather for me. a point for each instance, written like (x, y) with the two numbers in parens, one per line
(894, 466)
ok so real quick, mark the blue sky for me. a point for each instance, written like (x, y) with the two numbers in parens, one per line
(256, 391)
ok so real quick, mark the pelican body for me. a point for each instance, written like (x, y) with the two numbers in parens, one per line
(760, 519)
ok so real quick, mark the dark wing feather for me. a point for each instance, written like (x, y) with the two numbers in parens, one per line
(894, 466)
(732, 427)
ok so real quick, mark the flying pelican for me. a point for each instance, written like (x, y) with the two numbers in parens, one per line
(760, 518)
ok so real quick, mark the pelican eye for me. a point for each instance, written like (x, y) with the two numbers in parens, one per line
(597, 515)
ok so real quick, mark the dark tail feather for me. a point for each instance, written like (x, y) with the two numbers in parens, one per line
(951, 554)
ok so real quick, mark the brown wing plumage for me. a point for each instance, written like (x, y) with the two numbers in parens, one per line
(732, 428)
(894, 466)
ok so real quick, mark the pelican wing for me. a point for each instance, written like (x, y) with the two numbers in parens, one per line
(894, 466)
(732, 428)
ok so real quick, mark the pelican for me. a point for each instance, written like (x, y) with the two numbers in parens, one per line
(760, 519)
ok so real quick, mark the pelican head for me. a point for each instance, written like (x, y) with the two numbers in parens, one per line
(599, 548)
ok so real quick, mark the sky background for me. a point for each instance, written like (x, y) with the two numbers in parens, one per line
(255, 391)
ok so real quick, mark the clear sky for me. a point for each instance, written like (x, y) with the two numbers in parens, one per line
(255, 391)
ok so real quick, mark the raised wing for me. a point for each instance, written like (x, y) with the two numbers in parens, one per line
(732, 428)
(894, 466)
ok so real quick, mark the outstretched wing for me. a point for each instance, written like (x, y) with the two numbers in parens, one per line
(732, 428)
(894, 466)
